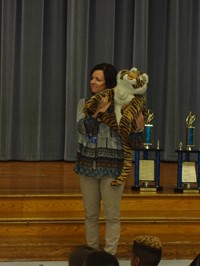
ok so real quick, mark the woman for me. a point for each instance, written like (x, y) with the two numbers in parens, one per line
(99, 160)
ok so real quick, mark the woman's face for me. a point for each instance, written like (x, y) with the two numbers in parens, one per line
(97, 81)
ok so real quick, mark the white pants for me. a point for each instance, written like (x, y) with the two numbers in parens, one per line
(94, 191)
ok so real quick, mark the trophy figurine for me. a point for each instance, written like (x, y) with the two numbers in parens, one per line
(190, 131)
(147, 129)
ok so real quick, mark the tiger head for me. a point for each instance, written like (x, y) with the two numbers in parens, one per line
(133, 79)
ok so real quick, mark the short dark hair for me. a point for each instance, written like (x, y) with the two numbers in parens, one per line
(101, 258)
(148, 249)
(78, 256)
(110, 74)
(196, 261)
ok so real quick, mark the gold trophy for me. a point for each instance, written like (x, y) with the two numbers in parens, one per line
(148, 129)
(190, 131)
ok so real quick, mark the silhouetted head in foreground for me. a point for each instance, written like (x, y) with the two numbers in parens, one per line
(196, 261)
(101, 258)
(78, 256)
(146, 251)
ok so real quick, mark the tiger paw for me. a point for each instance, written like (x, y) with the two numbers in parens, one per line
(117, 182)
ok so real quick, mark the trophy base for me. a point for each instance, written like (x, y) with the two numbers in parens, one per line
(187, 191)
(189, 147)
(135, 188)
(147, 146)
(146, 189)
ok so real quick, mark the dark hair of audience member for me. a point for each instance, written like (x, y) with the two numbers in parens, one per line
(101, 258)
(78, 256)
(196, 261)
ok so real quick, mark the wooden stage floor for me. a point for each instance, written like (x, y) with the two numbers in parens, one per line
(41, 209)
(59, 178)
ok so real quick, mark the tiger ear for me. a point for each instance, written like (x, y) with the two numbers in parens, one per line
(133, 69)
(121, 73)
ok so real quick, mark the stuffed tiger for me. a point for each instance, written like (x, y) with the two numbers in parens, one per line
(128, 103)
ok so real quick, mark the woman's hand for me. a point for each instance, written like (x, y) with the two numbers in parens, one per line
(103, 106)
(140, 122)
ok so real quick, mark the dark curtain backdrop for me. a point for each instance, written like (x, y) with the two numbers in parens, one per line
(49, 46)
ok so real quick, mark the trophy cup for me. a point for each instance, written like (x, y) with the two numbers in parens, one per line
(147, 129)
(190, 131)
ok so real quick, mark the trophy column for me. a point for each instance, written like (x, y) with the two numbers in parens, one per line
(147, 172)
(188, 176)
(198, 172)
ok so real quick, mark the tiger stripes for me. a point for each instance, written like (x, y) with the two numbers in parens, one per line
(126, 126)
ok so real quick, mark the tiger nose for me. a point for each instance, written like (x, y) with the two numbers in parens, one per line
(132, 75)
